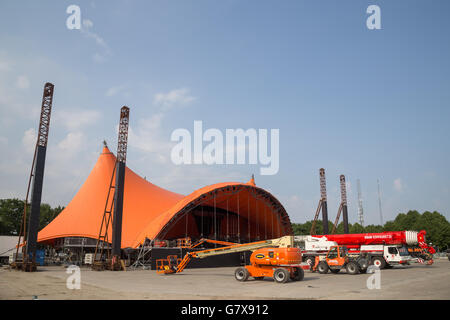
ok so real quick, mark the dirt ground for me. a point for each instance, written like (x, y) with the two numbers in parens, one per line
(410, 282)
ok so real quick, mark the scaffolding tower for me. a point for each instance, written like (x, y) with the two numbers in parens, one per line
(360, 205)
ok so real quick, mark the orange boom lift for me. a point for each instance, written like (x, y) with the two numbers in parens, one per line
(276, 258)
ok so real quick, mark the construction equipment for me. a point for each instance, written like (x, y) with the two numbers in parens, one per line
(337, 258)
(205, 240)
(384, 249)
(36, 178)
(114, 206)
(276, 258)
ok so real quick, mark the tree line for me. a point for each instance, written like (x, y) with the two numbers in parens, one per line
(434, 223)
(11, 213)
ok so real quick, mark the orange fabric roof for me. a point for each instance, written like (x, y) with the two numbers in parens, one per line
(148, 211)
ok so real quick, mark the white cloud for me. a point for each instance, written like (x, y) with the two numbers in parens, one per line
(23, 82)
(85, 30)
(147, 136)
(177, 97)
(72, 142)
(76, 119)
(115, 90)
(29, 140)
(398, 185)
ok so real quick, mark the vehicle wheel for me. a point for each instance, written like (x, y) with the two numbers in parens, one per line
(241, 274)
(379, 262)
(281, 275)
(352, 268)
(258, 278)
(322, 267)
(310, 260)
(299, 274)
(335, 270)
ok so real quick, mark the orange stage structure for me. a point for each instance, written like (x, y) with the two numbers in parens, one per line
(230, 211)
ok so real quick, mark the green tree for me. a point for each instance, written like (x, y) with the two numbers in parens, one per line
(373, 229)
(11, 212)
(11, 215)
(356, 228)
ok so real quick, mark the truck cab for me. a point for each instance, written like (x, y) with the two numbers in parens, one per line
(395, 255)
(386, 255)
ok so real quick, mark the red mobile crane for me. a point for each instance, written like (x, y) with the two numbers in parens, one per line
(384, 248)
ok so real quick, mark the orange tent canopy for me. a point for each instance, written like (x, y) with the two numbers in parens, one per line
(153, 212)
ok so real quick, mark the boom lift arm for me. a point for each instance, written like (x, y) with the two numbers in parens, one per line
(203, 240)
(283, 242)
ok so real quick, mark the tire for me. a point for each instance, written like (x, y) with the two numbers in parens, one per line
(258, 278)
(322, 267)
(241, 274)
(299, 274)
(379, 262)
(281, 275)
(352, 268)
(335, 270)
(310, 260)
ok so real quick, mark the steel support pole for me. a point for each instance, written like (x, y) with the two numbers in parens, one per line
(36, 194)
(120, 182)
(38, 176)
(118, 209)
(344, 203)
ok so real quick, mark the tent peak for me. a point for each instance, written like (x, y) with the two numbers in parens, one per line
(252, 181)
(106, 150)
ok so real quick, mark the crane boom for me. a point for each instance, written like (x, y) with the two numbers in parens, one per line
(283, 242)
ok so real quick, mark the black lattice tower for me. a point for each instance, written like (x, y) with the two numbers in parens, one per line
(38, 172)
(323, 197)
(322, 205)
(120, 180)
(344, 202)
(360, 204)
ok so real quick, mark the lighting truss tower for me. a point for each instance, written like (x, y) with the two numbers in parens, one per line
(344, 202)
(120, 182)
(322, 205)
(113, 211)
(29, 258)
(342, 207)
(360, 206)
(379, 202)
(323, 196)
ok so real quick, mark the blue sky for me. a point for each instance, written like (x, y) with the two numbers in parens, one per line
(370, 104)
